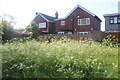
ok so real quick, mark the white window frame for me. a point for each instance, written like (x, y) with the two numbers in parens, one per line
(62, 22)
(42, 25)
(87, 21)
(69, 33)
(60, 32)
(83, 32)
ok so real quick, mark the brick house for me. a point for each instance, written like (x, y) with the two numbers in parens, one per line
(78, 21)
(46, 23)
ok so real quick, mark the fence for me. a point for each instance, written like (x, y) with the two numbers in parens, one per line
(97, 36)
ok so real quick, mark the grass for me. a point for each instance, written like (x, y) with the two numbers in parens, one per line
(63, 58)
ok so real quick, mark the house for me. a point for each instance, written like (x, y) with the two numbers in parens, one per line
(46, 23)
(78, 21)
(112, 22)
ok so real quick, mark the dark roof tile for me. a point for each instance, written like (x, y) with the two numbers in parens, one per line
(50, 18)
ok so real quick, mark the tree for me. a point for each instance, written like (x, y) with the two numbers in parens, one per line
(6, 27)
(33, 27)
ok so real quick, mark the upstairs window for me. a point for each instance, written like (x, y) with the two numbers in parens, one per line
(62, 23)
(42, 25)
(84, 21)
(114, 20)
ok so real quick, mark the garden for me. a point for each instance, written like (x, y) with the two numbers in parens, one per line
(63, 58)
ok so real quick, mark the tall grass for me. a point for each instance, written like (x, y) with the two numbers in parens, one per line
(63, 58)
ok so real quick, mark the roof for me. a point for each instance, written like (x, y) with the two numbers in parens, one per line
(113, 14)
(46, 17)
(78, 6)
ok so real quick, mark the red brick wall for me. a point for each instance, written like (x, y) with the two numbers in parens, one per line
(51, 27)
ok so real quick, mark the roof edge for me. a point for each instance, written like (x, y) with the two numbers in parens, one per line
(113, 14)
(78, 6)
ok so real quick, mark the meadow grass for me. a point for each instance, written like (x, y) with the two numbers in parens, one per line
(62, 58)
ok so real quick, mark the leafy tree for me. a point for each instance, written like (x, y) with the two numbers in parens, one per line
(33, 27)
(6, 27)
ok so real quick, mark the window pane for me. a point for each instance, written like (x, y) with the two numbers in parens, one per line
(87, 21)
(115, 19)
(118, 19)
(78, 21)
(111, 18)
(83, 21)
(42, 25)
(111, 21)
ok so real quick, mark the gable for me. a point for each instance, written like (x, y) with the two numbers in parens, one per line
(78, 6)
(85, 10)
(39, 19)
(45, 17)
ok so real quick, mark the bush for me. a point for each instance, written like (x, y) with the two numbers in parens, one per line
(63, 58)
(110, 41)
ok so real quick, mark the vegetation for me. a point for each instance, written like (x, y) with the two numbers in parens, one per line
(62, 58)
(6, 28)
(34, 28)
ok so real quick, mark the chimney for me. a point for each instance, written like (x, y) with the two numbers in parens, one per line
(56, 15)
(37, 13)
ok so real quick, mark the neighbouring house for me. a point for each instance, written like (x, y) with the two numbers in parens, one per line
(112, 24)
(78, 21)
(46, 23)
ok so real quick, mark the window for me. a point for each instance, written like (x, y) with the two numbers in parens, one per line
(114, 20)
(118, 19)
(62, 22)
(83, 32)
(84, 21)
(60, 32)
(42, 25)
(69, 33)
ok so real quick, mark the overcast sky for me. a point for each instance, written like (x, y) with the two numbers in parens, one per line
(24, 10)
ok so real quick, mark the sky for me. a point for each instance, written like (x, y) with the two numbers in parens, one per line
(24, 11)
